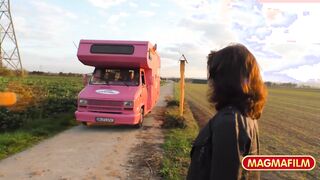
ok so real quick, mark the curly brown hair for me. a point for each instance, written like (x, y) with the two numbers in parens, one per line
(234, 79)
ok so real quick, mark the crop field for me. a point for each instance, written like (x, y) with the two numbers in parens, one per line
(42, 96)
(45, 106)
(289, 125)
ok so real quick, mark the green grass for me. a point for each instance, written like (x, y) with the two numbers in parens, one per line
(163, 82)
(11, 143)
(289, 124)
(33, 132)
(177, 145)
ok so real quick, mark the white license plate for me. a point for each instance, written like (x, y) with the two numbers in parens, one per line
(102, 119)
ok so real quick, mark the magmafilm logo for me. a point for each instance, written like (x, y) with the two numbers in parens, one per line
(278, 163)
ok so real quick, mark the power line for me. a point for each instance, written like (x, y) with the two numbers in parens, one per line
(9, 51)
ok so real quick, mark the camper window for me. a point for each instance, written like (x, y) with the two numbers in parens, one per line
(121, 77)
(112, 49)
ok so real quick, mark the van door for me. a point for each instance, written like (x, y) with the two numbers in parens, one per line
(144, 91)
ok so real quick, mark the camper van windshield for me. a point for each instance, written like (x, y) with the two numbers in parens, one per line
(121, 77)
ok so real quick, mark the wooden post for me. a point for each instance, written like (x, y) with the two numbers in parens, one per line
(183, 61)
(1, 59)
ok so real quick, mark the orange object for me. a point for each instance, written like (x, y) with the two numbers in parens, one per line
(183, 61)
(7, 98)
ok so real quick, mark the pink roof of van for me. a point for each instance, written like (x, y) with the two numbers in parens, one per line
(138, 57)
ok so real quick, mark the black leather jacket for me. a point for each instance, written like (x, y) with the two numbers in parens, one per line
(220, 146)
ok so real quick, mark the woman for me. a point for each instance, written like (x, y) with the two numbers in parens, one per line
(238, 93)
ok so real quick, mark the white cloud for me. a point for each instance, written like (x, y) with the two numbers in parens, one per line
(153, 4)
(195, 31)
(291, 7)
(47, 8)
(291, 55)
(304, 73)
(113, 19)
(214, 33)
(204, 6)
(173, 36)
(105, 3)
(48, 25)
(304, 29)
(146, 13)
(44, 31)
(132, 4)
(166, 62)
(43, 62)
(280, 36)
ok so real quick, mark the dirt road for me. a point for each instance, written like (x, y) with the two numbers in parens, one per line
(90, 152)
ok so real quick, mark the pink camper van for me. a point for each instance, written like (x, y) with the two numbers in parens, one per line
(125, 84)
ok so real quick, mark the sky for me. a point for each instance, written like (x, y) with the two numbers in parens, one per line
(283, 36)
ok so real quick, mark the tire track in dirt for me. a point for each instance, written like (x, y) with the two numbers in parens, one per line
(145, 161)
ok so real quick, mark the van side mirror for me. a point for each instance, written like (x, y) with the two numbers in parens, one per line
(85, 79)
(155, 47)
(7, 98)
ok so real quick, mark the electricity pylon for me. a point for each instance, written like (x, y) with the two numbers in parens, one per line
(9, 51)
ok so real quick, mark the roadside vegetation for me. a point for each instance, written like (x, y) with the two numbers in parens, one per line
(163, 82)
(10, 73)
(45, 106)
(179, 134)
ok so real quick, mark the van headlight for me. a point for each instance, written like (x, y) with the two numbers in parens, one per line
(128, 104)
(83, 102)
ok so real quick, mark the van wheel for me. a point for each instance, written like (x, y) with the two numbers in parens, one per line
(140, 124)
(84, 123)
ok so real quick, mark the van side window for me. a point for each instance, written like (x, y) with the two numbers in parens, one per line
(142, 78)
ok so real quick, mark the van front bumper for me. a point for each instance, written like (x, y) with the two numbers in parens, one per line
(119, 119)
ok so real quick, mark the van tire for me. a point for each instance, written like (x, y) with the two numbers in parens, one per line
(84, 123)
(140, 124)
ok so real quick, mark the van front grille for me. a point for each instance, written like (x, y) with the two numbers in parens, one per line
(93, 102)
(102, 109)
(105, 106)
